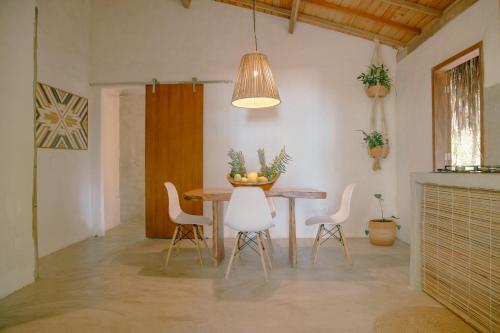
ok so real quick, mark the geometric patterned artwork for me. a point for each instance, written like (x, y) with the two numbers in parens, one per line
(61, 119)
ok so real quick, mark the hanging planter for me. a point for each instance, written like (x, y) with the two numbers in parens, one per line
(376, 81)
(377, 85)
(378, 147)
(376, 91)
(381, 151)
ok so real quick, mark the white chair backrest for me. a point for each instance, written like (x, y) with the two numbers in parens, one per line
(248, 210)
(174, 208)
(345, 205)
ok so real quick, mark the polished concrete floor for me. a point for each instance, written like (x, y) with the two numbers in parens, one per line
(117, 284)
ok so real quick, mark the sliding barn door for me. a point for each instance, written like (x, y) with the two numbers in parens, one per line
(174, 151)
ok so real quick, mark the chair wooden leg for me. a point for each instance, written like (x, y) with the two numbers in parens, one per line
(202, 237)
(269, 241)
(240, 239)
(267, 255)
(262, 260)
(318, 242)
(235, 251)
(179, 235)
(197, 241)
(315, 243)
(344, 243)
(172, 243)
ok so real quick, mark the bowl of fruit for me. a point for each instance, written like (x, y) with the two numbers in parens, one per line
(264, 178)
(251, 179)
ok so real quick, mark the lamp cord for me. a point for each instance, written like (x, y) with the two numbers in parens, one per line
(254, 29)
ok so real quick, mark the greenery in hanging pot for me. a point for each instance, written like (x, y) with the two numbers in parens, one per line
(376, 81)
(265, 178)
(382, 231)
(378, 146)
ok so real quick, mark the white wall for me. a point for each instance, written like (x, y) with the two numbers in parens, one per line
(64, 176)
(316, 73)
(110, 156)
(414, 100)
(16, 144)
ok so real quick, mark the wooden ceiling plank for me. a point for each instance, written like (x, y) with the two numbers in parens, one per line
(359, 13)
(415, 7)
(452, 11)
(349, 30)
(186, 3)
(293, 16)
(261, 7)
(282, 12)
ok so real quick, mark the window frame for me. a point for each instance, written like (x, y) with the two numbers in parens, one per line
(446, 65)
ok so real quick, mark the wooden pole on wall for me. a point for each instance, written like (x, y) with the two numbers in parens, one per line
(34, 208)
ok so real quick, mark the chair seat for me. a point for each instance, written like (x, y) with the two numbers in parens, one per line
(269, 226)
(324, 220)
(184, 218)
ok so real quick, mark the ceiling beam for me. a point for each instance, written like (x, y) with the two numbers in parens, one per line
(283, 12)
(415, 7)
(452, 11)
(186, 3)
(293, 16)
(368, 16)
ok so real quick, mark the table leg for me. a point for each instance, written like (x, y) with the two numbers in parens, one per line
(217, 233)
(292, 237)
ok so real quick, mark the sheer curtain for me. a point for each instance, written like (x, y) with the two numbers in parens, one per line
(465, 111)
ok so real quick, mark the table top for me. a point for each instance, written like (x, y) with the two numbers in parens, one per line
(224, 194)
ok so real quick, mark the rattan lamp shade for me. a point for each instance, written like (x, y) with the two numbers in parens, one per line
(255, 87)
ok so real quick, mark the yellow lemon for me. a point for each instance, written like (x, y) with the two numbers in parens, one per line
(262, 179)
(252, 177)
(244, 179)
(237, 177)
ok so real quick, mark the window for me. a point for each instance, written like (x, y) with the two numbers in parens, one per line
(457, 109)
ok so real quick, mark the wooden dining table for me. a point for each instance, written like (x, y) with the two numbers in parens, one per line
(218, 195)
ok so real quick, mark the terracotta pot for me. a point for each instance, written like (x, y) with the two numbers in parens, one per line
(373, 91)
(376, 152)
(382, 233)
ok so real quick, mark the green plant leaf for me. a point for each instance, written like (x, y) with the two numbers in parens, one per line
(378, 196)
(237, 162)
(373, 139)
(376, 75)
(279, 164)
(367, 232)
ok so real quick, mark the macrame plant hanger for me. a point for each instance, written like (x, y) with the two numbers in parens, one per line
(377, 111)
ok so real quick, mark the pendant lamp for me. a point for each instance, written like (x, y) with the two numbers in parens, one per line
(255, 87)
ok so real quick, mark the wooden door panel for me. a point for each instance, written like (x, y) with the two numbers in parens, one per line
(174, 151)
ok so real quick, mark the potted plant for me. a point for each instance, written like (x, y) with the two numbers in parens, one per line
(378, 146)
(382, 231)
(376, 81)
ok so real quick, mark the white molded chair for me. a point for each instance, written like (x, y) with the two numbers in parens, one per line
(331, 226)
(248, 213)
(181, 219)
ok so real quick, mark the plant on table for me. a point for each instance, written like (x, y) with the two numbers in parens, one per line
(237, 163)
(267, 172)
